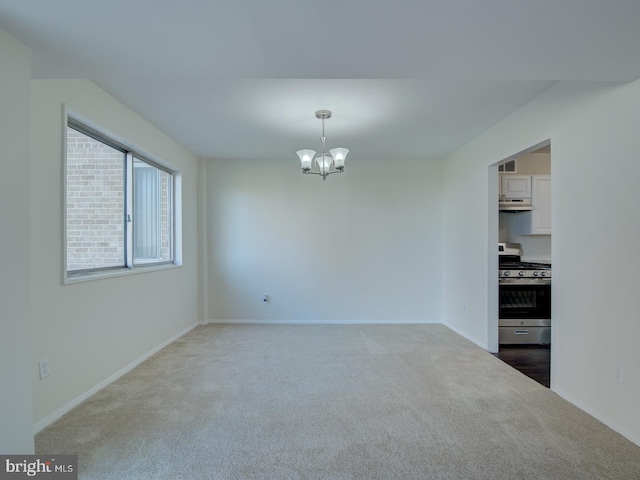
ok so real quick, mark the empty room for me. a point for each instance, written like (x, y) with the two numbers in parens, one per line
(304, 240)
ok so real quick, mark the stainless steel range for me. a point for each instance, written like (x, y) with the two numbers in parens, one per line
(525, 298)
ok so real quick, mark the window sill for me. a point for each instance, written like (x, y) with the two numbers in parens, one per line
(121, 272)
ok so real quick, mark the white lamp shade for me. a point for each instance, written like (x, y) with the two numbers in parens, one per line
(306, 157)
(339, 156)
(324, 163)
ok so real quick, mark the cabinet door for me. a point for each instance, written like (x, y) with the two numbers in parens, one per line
(515, 186)
(541, 201)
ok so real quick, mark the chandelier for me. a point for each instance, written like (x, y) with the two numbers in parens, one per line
(324, 163)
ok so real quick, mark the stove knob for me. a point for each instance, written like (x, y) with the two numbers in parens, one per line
(536, 273)
(544, 274)
(506, 274)
(521, 273)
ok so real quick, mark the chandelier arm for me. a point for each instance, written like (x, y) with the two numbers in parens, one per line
(323, 174)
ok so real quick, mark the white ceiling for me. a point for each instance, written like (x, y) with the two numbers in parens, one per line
(404, 79)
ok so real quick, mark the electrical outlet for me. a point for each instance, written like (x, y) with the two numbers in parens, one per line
(44, 368)
(619, 375)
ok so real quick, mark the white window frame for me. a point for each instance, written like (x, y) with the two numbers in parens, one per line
(175, 203)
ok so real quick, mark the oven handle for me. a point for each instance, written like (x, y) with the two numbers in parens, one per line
(521, 332)
(523, 281)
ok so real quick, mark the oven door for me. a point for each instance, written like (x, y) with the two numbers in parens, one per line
(524, 299)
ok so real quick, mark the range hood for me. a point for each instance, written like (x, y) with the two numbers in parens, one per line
(514, 204)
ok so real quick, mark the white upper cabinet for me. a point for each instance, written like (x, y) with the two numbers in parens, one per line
(538, 220)
(515, 186)
(541, 202)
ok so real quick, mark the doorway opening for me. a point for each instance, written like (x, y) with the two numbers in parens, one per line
(520, 292)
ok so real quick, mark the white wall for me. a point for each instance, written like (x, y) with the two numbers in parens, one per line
(533, 164)
(534, 247)
(90, 331)
(363, 246)
(16, 417)
(596, 306)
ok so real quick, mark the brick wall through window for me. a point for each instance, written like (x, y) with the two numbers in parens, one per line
(95, 203)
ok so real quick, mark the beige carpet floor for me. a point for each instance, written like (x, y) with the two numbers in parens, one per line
(333, 402)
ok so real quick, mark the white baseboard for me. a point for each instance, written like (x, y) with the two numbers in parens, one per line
(625, 432)
(325, 322)
(49, 419)
(463, 334)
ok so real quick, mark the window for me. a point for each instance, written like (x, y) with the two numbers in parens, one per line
(509, 166)
(151, 219)
(119, 206)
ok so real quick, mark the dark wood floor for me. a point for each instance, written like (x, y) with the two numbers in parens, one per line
(534, 360)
